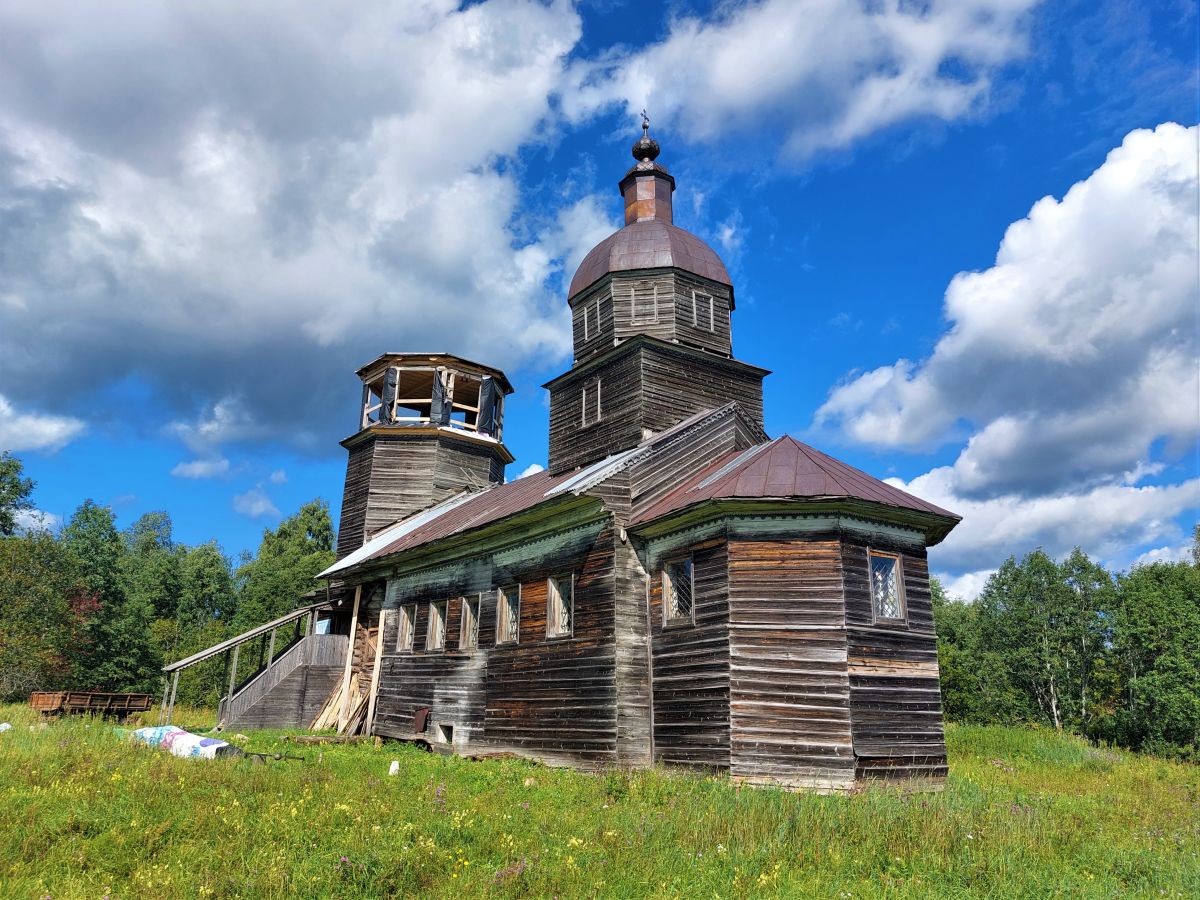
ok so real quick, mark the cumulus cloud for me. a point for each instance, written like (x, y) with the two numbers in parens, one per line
(255, 504)
(35, 431)
(531, 469)
(1073, 358)
(240, 205)
(279, 476)
(968, 585)
(1106, 520)
(31, 520)
(828, 71)
(202, 468)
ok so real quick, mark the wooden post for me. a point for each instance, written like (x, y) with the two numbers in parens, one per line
(342, 713)
(233, 672)
(271, 652)
(174, 688)
(162, 713)
(370, 723)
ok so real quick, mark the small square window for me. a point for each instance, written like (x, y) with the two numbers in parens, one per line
(508, 615)
(468, 636)
(590, 403)
(887, 586)
(702, 311)
(406, 630)
(678, 588)
(560, 606)
(435, 637)
(645, 303)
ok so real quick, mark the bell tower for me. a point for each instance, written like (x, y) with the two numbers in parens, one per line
(430, 425)
(651, 310)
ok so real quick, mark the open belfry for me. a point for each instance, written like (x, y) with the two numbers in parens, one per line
(675, 588)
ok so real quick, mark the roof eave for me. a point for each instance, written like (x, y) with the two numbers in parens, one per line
(934, 527)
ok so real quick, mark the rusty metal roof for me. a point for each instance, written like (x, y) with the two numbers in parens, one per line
(649, 244)
(785, 469)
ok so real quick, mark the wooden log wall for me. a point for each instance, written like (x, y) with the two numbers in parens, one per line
(677, 383)
(653, 292)
(354, 499)
(549, 698)
(574, 444)
(598, 301)
(645, 388)
(690, 674)
(389, 476)
(790, 693)
(895, 696)
(719, 339)
(631, 657)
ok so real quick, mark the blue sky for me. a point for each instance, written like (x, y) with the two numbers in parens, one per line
(963, 238)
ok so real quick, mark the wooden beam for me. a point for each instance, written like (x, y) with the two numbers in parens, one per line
(162, 713)
(171, 705)
(370, 723)
(271, 651)
(233, 671)
(242, 638)
(349, 658)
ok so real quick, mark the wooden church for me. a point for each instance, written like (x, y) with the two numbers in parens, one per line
(676, 587)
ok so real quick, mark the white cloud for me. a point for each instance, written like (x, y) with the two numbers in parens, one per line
(279, 476)
(202, 468)
(968, 585)
(35, 431)
(1177, 553)
(37, 520)
(1072, 359)
(255, 504)
(829, 72)
(531, 469)
(240, 227)
(1106, 520)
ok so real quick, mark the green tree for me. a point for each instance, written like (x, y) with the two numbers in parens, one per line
(207, 592)
(151, 564)
(14, 492)
(273, 581)
(1156, 645)
(125, 657)
(43, 634)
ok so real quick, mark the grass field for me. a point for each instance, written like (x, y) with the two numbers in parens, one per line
(1025, 813)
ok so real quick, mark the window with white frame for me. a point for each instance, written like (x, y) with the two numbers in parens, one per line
(407, 628)
(887, 586)
(589, 411)
(508, 615)
(703, 311)
(435, 636)
(468, 636)
(678, 590)
(645, 303)
(560, 606)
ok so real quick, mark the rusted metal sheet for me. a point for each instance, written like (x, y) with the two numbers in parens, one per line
(785, 469)
(649, 244)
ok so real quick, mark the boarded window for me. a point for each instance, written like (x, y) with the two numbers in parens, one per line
(645, 303)
(468, 636)
(703, 311)
(887, 589)
(435, 637)
(588, 329)
(560, 612)
(407, 628)
(589, 403)
(508, 615)
(678, 589)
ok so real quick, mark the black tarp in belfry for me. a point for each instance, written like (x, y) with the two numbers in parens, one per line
(439, 411)
(386, 412)
(486, 423)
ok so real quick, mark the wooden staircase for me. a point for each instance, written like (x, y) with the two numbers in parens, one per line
(289, 691)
